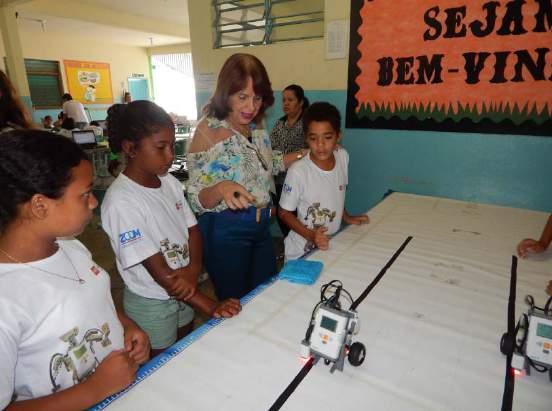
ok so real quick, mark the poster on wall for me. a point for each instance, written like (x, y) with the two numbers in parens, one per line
(451, 65)
(89, 82)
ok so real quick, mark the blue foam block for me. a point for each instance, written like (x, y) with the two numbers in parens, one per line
(301, 271)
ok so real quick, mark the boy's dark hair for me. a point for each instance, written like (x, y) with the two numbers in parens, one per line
(233, 78)
(47, 117)
(322, 111)
(134, 121)
(67, 97)
(34, 162)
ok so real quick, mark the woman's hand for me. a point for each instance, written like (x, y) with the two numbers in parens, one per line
(235, 195)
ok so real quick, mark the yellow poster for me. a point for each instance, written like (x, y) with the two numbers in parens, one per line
(89, 82)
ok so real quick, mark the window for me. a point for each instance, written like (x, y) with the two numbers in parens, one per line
(44, 83)
(257, 22)
(173, 79)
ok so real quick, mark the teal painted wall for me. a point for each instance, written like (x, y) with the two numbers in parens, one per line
(506, 170)
(97, 112)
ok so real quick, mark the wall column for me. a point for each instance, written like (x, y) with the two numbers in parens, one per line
(14, 53)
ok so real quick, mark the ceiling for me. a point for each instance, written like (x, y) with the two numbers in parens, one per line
(167, 13)
(33, 23)
(172, 10)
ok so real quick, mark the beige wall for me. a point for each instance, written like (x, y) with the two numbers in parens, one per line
(170, 49)
(301, 62)
(123, 60)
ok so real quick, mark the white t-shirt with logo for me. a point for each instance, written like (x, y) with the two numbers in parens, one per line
(141, 222)
(317, 195)
(54, 331)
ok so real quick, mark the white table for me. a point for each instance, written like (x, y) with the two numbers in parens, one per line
(431, 327)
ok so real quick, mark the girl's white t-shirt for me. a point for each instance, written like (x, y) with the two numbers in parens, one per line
(54, 331)
(141, 222)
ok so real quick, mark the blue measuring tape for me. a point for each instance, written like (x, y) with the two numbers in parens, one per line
(160, 360)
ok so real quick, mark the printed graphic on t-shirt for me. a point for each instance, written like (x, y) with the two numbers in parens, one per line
(130, 237)
(80, 359)
(175, 254)
(319, 217)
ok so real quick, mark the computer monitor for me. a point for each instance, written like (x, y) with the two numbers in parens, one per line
(84, 137)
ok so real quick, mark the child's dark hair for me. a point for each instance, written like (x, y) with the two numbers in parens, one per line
(134, 121)
(322, 111)
(34, 162)
(68, 123)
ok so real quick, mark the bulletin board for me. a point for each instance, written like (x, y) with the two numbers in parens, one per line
(451, 65)
(89, 82)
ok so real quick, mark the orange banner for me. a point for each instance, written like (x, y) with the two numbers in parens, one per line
(475, 56)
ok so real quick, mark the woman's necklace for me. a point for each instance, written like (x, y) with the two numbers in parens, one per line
(78, 279)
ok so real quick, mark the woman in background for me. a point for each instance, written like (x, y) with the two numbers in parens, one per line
(287, 135)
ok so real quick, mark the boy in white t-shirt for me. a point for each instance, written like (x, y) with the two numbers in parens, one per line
(315, 186)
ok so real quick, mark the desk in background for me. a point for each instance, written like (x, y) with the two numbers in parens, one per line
(431, 327)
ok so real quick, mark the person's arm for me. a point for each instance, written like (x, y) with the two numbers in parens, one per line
(355, 219)
(205, 192)
(317, 236)
(182, 282)
(233, 194)
(531, 246)
(292, 157)
(137, 343)
(114, 373)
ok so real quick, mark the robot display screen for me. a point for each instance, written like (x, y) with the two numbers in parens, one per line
(543, 330)
(328, 323)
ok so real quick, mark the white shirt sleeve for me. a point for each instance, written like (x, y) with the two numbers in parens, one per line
(188, 213)
(8, 354)
(291, 191)
(129, 233)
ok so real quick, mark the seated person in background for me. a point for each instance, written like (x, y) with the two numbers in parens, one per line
(95, 127)
(59, 121)
(67, 127)
(315, 185)
(75, 110)
(532, 246)
(47, 122)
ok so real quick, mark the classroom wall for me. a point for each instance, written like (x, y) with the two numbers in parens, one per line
(506, 170)
(123, 60)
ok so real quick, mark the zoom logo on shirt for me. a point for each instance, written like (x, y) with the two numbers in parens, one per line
(130, 237)
(287, 188)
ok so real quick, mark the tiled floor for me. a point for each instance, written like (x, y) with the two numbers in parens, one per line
(95, 239)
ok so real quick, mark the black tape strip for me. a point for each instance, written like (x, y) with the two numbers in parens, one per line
(293, 385)
(380, 275)
(308, 366)
(509, 381)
